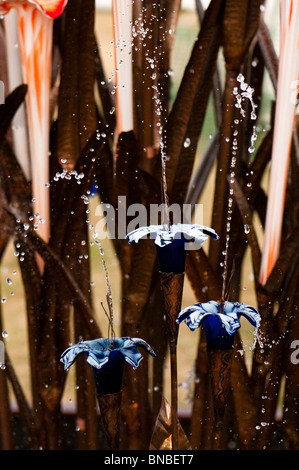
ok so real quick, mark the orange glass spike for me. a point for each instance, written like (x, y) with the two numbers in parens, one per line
(51, 8)
(287, 88)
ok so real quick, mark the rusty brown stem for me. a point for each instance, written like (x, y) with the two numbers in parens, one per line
(172, 290)
(219, 369)
(110, 404)
(174, 395)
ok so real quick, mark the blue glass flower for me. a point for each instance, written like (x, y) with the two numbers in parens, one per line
(107, 358)
(220, 321)
(171, 243)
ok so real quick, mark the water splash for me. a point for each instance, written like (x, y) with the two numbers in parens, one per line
(245, 93)
(68, 175)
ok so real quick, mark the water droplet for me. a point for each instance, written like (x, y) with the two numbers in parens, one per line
(246, 228)
(9, 281)
(4, 334)
(187, 142)
(3, 300)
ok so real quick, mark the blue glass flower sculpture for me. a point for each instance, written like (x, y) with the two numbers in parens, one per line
(107, 358)
(171, 242)
(220, 320)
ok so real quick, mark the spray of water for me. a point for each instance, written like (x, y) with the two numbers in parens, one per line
(164, 184)
(242, 93)
(141, 31)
